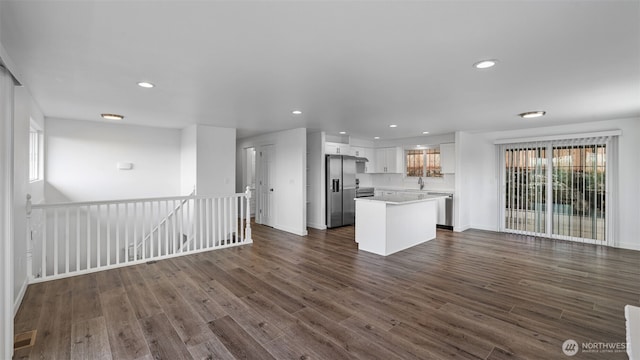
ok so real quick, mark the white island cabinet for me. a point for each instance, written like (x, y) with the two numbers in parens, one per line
(390, 223)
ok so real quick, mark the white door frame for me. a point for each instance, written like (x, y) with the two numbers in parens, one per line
(6, 212)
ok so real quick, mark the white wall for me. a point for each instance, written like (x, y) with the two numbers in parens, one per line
(316, 213)
(7, 238)
(82, 156)
(207, 160)
(290, 193)
(25, 110)
(188, 159)
(479, 164)
(216, 163)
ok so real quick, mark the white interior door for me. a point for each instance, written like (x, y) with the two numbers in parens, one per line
(265, 186)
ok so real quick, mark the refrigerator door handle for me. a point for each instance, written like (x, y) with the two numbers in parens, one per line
(335, 185)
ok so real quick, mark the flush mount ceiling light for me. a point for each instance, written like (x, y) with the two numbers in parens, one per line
(146, 85)
(376, 137)
(342, 132)
(296, 112)
(425, 132)
(532, 114)
(485, 64)
(112, 116)
(393, 126)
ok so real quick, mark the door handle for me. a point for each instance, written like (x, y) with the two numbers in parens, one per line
(270, 189)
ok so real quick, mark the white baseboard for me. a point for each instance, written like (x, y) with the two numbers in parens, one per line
(291, 230)
(461, 228)
(317, 226)
(629, 245)
(487, 228)
(23, 290)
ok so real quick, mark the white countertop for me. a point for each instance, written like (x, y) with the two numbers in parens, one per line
(418, 191)
(399, 199)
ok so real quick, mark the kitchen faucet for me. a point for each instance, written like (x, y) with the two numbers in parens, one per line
(421, 183)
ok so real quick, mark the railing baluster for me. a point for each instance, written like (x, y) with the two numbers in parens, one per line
(180, 221)
(220, 223)
(78, 239)
(66, 240)
(43, 271)
(117, 233)
(240, 220)
(151, 221)
(98, 245)
(207, 221)
(108, 239)
(55, 242)
(88, 237)
(126, 233)
(135, 231)
(166, 228)
(143, 249)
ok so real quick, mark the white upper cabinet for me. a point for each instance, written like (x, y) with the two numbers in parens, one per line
(388, 160)
(448, 158)
(331, 148)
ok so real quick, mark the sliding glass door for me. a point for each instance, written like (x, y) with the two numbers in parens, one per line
(579, 191)
(556, 189)
(525, 195)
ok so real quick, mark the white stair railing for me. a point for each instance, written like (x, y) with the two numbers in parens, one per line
(69, 239)
(138, 252)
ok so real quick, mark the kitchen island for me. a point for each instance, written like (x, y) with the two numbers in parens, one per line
(390, 223)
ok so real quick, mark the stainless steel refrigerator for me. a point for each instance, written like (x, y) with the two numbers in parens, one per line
(341, 190)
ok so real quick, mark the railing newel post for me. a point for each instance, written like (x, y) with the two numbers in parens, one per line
(247, 195)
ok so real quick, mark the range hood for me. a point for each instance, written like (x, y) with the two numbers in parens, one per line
(361, 159)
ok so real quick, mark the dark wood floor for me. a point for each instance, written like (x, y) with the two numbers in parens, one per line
(471, 295)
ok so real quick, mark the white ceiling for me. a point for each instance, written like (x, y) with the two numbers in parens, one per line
(348, 65)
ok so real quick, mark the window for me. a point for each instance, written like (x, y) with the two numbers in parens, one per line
(423, 162)
(34, 155)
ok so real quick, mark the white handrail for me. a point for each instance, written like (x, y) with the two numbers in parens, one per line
(66, 239)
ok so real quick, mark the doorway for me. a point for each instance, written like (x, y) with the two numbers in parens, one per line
(265, 185)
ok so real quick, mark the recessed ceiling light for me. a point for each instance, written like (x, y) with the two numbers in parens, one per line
(425, 132)
(145, 84)
(296, 112)
(485, 64)
(376, 137)
(112, 116)
(342, 132)
(393, 126)
(532, 114)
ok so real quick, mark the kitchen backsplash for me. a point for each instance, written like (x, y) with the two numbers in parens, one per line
(447, 182)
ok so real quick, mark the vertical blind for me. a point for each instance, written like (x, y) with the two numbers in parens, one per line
(559, 188)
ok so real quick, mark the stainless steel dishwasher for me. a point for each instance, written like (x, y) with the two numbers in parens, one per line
(445, 209)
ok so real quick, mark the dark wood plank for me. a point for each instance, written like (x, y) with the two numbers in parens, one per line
(89, 340)
(85, 298)
(54, 326)
(140, 296)
(164, 342)
(238, 341)
(125, 336)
